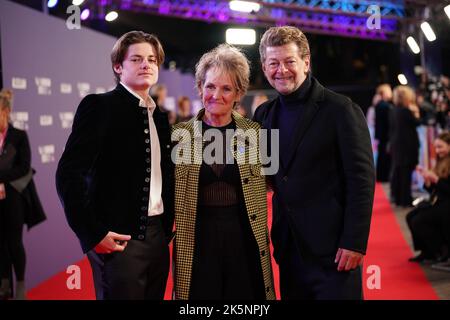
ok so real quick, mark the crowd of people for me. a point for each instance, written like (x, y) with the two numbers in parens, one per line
(215, 212)
(398, 116)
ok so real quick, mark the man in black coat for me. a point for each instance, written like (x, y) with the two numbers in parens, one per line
(323, 191)
(115, 177)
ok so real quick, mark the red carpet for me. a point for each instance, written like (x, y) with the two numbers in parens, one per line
(387, 249)
(400, 279)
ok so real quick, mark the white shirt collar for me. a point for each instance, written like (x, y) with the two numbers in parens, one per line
(142, 103)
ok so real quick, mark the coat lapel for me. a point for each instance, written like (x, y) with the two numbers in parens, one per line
(269, 124)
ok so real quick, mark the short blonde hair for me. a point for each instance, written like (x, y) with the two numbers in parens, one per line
(229, 59)
(279, 36)
(404, 96)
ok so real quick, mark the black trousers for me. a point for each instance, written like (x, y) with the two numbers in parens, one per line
(401, 185)
(12, 250)
(300, 280)
(383, 162)
(226, 263)
(429, 228)
(138, 273)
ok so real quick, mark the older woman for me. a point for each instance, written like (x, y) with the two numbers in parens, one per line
(222, 243)
(404, 144)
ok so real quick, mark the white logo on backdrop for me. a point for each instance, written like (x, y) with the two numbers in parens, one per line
(83, 88)
(47, 153)
(44, 86)
(20, 120)
(46, 120)
(66, 119)
(100, 90)
(66, 88)
(19, 83)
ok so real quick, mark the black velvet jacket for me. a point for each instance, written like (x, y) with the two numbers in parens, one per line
(101, 176)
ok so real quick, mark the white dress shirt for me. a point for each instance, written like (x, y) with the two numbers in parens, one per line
(155, 203)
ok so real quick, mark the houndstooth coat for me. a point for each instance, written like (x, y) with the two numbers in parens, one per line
(188, 135)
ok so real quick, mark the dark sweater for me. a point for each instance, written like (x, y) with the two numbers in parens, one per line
(289, 114)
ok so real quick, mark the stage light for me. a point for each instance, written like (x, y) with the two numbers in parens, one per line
(402, 79)
(429, 33)
(77, 2)
(447, 10)
(85, 14)
(111, 16)
(244, 6)
(413, 45)
(52, 3)
(240, 36)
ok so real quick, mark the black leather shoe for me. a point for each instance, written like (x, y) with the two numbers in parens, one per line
(419, 258)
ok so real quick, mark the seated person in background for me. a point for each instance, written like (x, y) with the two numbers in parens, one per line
(429, 223)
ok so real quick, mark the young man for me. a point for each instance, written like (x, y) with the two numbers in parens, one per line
(115, 177)
(323, 192)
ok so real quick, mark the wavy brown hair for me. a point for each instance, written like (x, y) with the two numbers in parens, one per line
(442, 168)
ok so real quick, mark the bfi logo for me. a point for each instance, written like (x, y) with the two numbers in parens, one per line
(66, 119)
(47, 153)
(83, 88)
(20, 120)
(43, 85)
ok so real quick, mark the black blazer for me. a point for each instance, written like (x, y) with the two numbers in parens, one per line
(101, 176)
(15, 159)
(15, 162)
(324, 195)
(383, 111)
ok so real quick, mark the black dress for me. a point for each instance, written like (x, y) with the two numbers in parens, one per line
(404, 145)
(226, 261)
(430, 225)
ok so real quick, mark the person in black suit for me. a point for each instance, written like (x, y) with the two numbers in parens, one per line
(19, 203)
(383, 111)
(323, 190)
(115, 177)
